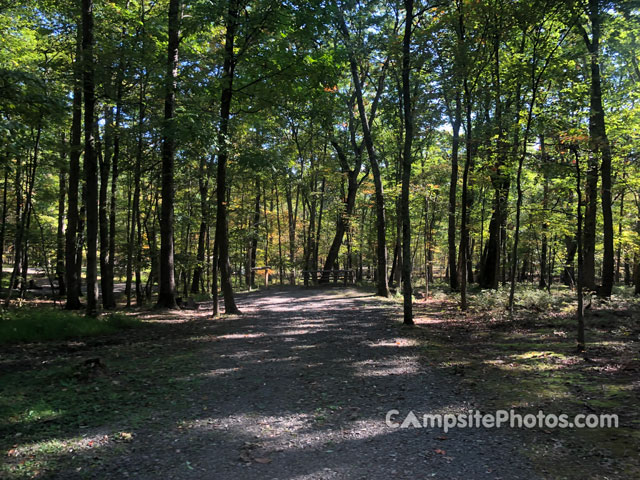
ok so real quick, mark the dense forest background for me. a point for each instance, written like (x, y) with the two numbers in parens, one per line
(485, 142)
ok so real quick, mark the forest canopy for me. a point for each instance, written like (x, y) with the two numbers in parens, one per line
(182, 147)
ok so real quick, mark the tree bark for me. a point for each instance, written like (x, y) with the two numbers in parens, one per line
(292, 233)
(115, 171)
(167, 293)
(349, 204)
(60, 243)
(222, 237)
(453, 185)
(580, 309)
(106, 275)
(280, 265)
(407, 160)
(600, 146)
(464, 214)
(23, 221)
(90, 160)
(382, 284)
(542, 283)
(203, 186)
(4, 219)
(253, 240)
(71, 235)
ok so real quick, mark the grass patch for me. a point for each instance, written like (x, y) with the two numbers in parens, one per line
(43, 324)
(64, 415)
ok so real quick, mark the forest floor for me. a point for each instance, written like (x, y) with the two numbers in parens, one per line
(298, 387)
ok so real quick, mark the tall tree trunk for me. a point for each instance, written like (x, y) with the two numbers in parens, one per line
(132, 245)
(4, 219)
(222, 237)
(253, 242)
(292, 233)
(73, 220)
(60, 243)
(280, 265)
(266, 229)
(138, 259)
(406, 164)
(636, 268)
(382, 283)
(580, 310)
(82, 215)
(115, 170)
(314, 262)
(568, 272)
(167, 293)
(464, 214)
(203, 186)
(535, 77)
(490, 269)
(349, 204)
(23, 222)
(620, 218)
(451, 230)
(589, 231)
(17, 241)
(600, 146)
(90, 160)
(542, 283)
(104, 157)
(311, 240)
(214, 279)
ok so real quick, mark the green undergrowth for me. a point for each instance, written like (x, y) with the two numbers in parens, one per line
(32, 324)
(55, 413)
(530, 363)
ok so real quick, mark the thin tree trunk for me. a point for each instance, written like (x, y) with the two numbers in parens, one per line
(82, 215)
(17, 241)
(544, 267)
(138, 260)
(349, 205)
(580, 311)
(280, 265)
(253, 243)
(314, 262)
(4, 219)
(382, 284)
(266, 232)
(132, 246)
(60, 237)
(115, 172)
(214, 279)
(620, 218)
(407, 160)
(292, 233)
(23, 222)
(104, 157)
(311, 246)
(451, 230)
(203, 184)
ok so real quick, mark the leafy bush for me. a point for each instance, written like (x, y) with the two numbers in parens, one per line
(41, 324)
